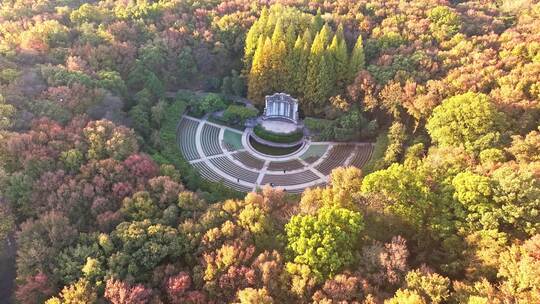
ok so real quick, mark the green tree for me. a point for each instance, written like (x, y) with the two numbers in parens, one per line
(445, 23)
(7, 223)
(238, 114)
(141, 119)
(324, 241)
(409, 196)
(186, 65)
(431, 286)
(468, 120)
(358, 59)
(296, 65)
(397, 136)
(141, 246)
(7, 112)
(254, 296)
(517, 192)
(18, 191)
(40, 241)
(279, 73)
(105, 140)
(154, 85)
(71, 261)
(72, 159)
(140, 207)
(318, 84)
(87, 13)
(474, 192)
(519, 270)
(210, 103)
(317, 22)
(237, 84)
(253, 36)
(340, 57)
(257, 79)
(113, 81)
(278, 35)
(80, 292)
(406, 297)
(226, 86)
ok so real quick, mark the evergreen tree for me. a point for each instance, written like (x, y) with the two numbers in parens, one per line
(326, 83)
(325, 35)
(331, 54)
(252, 38)
(317, 22)
(290, 38)
(255, 83)
(278, 34)
(237, 84)
(270, 23)
(296, 65)
(226, 86)
(340, 33)
(312, 86)
(339, 61)
(358, 59)
(279, 71)
(308, 38)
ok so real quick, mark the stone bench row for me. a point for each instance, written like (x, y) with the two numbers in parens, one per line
(335, 158)
(187, 130)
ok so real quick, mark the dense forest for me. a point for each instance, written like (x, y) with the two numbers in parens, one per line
(97, 205)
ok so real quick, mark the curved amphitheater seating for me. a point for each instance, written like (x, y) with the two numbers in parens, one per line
(248, 160)
(229, 147)
(187, 130)
(312, 159)
(289, 165)
(335, 158)
(314, 152)
(210, 140)
(284, 180)
(362, 155)
(209, 174)
(247, 167)
(227, 166)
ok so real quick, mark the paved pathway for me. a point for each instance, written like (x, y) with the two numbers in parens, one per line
(237, 180)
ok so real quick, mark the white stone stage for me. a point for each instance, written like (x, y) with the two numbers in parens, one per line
(279, 126)
(281, 105)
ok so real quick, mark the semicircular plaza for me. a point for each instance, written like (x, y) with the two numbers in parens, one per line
(221, 154)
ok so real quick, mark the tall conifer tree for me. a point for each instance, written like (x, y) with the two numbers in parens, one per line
(290, 38)
(308, 38)
(252, 38)
(325, 83)
(268, 73)
(255, 80)
(311, 88)
(357, 61)
(325, 35)
(279, 70)
(297, 67)
(278, 34)
(340, 59)
(317, 22)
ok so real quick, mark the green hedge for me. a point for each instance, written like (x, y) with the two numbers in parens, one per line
(238, 114)
(278, 138)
